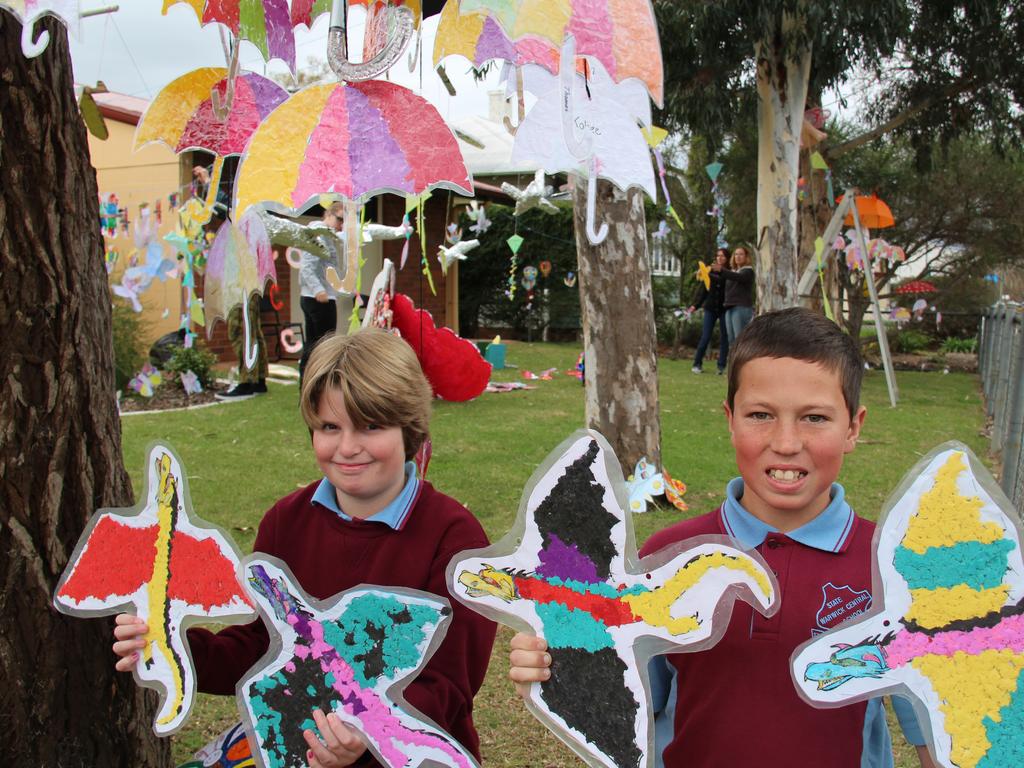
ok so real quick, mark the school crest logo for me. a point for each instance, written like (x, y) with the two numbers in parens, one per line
(839, 604)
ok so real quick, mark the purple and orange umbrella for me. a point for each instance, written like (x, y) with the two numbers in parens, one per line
(184, 117)
(354, 140)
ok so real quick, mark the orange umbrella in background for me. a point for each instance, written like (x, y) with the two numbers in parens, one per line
(873, 212)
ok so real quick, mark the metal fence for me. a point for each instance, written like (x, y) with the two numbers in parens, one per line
(1001, 363)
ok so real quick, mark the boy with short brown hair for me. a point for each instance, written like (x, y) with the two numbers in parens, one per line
(793, 412)
(369, 520)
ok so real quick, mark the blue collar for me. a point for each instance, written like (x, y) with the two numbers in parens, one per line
(393, 515)
(828, 531)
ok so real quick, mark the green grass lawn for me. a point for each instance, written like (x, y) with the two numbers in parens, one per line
(243, 456)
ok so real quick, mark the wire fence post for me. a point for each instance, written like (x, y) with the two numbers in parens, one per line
(1001, 364)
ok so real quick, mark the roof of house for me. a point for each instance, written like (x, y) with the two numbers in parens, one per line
(488, 150)
(121, 107)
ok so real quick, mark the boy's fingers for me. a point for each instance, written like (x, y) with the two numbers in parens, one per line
(128, 631)
(529, 674)
(346, 736)
(127, 663)
(127, 618)
(318, 750)
(524, 642)
(326, 732)
(534, 659)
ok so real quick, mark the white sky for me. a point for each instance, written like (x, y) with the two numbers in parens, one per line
(137, 51)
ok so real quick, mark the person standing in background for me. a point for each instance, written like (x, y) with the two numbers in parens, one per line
(739, 293)
(711, 300)
(317, 297)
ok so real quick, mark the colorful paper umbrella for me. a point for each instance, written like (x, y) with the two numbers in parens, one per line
(480, 39)
(182, 114)
(623, 36)
(355, 140)
(916, 286)
(873, 212)
(240, 263)
(267, 24)
(602, 139)
(29, 12)
(306, 12)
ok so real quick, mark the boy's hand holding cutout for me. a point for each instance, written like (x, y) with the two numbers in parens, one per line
(341, 746)
(529, 662)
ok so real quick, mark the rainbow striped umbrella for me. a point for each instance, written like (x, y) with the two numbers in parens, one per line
(307, 11)
(621, 34)
(182, 114)
(266, 24)
(355, 140)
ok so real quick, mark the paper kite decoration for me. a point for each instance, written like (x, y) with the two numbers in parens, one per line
(948, 629)
(169, 567)
(453, 365)
(351, 655)
(569, 572)
(355, 140)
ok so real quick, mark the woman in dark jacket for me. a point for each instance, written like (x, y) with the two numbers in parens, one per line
(712, 301)
(739, 293)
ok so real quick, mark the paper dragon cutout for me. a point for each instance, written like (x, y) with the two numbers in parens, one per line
(949, 627)
(351, 655)
(230, 749)
(569, 572)
(168, 566)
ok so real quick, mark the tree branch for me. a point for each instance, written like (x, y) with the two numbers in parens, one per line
(954, 89)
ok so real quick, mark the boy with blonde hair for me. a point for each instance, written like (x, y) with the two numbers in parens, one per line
(369, 520)
(794, 412)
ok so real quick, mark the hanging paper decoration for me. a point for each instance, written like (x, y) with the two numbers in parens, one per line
(570, 571)
(621, 38)
(166, 565)
(515, 242)
(570, 280)
(529, 277)
(536, 194)
(717, 211)
(946, 628)
(109, 214)
(29, 12)
(704, 274)
(453, 365)
(598, 122)
(545, 268)
(351, 655)
(458, 252)
(381, 296)
(355, 140)
(478, 215)
(818, 163)
(234, 271)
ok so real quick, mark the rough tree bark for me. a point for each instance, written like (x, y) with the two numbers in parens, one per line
(61, 703)
(782, 80)
(619, 337)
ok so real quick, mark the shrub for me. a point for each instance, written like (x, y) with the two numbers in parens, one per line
(128, 345)
(909, 341)
(197, 359)
(960, 345)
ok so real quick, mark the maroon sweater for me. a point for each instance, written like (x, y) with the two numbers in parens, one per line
(328, 555)
(737, 704)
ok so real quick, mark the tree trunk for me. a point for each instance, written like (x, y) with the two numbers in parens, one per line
(61, 703)
(619, 338)
(782, 94)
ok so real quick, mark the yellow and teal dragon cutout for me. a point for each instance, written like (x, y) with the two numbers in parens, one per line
(950, 627)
